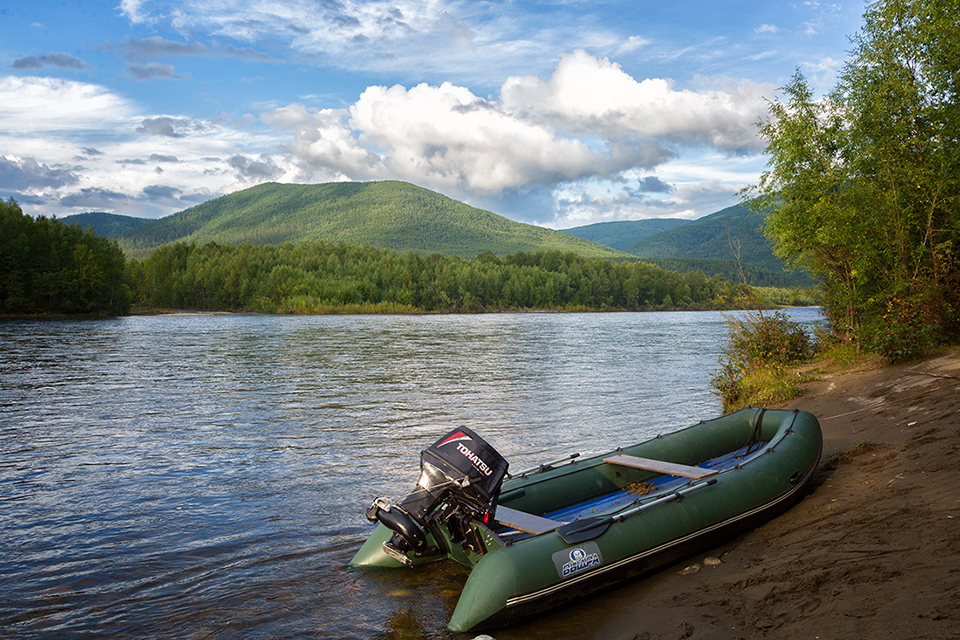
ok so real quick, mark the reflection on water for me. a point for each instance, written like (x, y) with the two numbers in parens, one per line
(200, 476)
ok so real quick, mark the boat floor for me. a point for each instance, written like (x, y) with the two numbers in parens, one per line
(626, 496)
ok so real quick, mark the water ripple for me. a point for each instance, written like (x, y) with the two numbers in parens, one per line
(205, 476)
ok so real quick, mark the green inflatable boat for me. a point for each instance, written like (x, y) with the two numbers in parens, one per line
(537, 539)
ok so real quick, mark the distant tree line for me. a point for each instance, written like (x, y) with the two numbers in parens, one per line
(49, 267)
(322, 277)
(731, 269)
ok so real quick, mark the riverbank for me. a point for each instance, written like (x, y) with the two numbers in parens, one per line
(872, 552)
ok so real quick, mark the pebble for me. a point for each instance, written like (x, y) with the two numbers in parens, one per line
(711, 561)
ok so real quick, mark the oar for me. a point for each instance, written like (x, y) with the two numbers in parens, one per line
(589, 528)
(545, 466)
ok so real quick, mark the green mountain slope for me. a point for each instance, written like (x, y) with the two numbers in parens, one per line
(709, 239)
(107, 225)
(393, 215)
(620, 235)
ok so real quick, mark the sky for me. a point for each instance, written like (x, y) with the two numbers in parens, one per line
(559, 114)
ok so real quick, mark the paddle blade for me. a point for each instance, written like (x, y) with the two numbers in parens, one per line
(584, 529)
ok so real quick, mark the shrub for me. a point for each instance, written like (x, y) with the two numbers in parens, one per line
(753, 365)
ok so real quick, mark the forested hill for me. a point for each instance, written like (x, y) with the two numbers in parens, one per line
(710, 238)
(107, 225)
(623, 233)
(703, 244)
(391, 215)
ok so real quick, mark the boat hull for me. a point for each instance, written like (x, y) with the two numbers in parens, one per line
(536, 573)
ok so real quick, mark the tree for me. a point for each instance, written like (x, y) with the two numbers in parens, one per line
(863, 186)
(47, 266)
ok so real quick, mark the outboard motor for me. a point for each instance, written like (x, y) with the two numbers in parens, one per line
(460, 478)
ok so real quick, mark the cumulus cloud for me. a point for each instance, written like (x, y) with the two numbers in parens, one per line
(589, 120)
(81, 147)
(590, 95)
(447, 135)
(544, 148)
(151, 201)
(260, 169)
(161, 192)
(653, 184)
(324, 143)
(587, 202)
(21, 174)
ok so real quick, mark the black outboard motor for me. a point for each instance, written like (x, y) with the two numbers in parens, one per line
(460, 478)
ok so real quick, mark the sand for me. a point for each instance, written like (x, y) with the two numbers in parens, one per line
(873, 551)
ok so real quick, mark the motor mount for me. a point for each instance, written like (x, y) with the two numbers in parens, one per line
(460, 480)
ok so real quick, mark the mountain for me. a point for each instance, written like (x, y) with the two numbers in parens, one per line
(710, 238)
(704, 244)
(108, 225)
(389, 214)
(707, 241)
(622, 234)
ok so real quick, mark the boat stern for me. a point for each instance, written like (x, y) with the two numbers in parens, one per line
(492, 582)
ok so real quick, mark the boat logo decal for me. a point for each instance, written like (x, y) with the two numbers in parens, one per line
(570, 562)
(465, 451)
(455, 437)
(475, 459)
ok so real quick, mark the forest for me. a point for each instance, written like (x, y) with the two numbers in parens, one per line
(323, 277)
(48, 267)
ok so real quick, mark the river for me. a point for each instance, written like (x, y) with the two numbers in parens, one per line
(206, 476)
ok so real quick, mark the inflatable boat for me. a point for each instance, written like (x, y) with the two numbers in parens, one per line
(537, 539)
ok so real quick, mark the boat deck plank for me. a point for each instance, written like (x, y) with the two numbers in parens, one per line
(526, 522)
(660, 466)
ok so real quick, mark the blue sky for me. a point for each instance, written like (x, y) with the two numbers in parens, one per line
(555, 113)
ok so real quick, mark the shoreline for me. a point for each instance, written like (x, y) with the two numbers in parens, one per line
(872, 551)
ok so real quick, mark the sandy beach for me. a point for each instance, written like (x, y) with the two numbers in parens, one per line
(873, 551)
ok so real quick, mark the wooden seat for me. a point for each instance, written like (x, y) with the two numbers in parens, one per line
(526, 522)
(661, 466)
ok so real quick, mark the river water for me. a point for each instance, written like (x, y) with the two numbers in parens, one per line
(206, 476)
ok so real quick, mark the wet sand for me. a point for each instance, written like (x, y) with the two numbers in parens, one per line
(873, 551)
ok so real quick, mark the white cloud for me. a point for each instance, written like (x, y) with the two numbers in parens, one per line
(78, 146)
(26, 173)
(589, 121)
(591, 95)
(324, 144)
(32, 105)
(632, 44)
(467, 41)
(132, 9)
(447, 135)
(320, 27)
(589, 135)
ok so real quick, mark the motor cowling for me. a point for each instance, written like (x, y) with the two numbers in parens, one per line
(460, 479)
